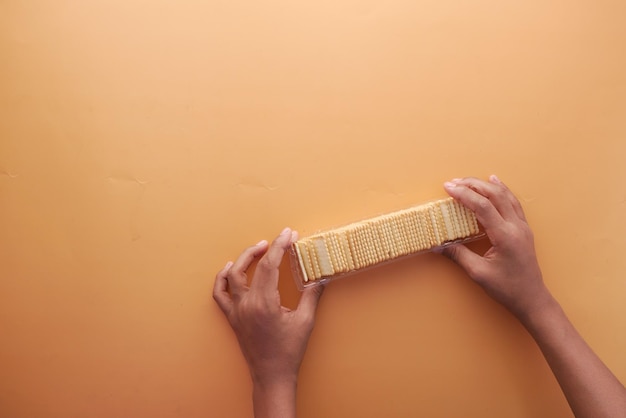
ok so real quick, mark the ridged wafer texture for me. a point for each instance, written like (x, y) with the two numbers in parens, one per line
(383, 238)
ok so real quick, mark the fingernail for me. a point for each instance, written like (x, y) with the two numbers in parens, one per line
(294, 236)
(456, 180)
(494, 178)
(449, 185)
(228, 265)
(286, 231)
(261, 243)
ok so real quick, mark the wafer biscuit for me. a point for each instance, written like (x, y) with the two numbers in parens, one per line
(383, 238)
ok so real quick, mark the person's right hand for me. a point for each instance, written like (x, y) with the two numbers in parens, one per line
(508, 271)
(510, 274)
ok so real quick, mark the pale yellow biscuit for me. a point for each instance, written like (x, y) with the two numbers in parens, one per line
(383, 238)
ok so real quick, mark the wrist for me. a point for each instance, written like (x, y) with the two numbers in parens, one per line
(274, 383)
(544, 310)
(274, 380)
(532, 302)
(274, 398)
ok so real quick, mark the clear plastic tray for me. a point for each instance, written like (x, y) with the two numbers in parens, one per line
(302, 284)
(300, 276)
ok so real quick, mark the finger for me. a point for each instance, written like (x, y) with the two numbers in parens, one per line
(220, 289)
(465, 258)
(266, 275)
(485, 212)
(493, 191)
(237, 279)
(515, 203)
(309, 301)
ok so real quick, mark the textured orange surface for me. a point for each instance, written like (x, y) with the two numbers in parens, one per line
(145, 143)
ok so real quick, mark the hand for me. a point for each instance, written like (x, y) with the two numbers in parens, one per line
(273, 339)
(510, 274)
(508, 271)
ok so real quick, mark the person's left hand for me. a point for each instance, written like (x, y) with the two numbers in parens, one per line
(273, 339)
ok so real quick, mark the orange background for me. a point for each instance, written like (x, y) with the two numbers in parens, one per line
(145, 143)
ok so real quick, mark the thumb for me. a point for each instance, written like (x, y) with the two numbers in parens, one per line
(309, 300)
(464, 257)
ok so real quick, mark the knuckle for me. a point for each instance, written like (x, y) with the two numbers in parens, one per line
(218, 288)
(511, 234)
(505, 189)
(518, 234)
(248, 309)
(253, 308)
(234, 270)
(236, 297)
(265, 265)
(482, 204)
(501, 189)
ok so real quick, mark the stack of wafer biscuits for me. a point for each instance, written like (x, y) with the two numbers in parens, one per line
(383, 238)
